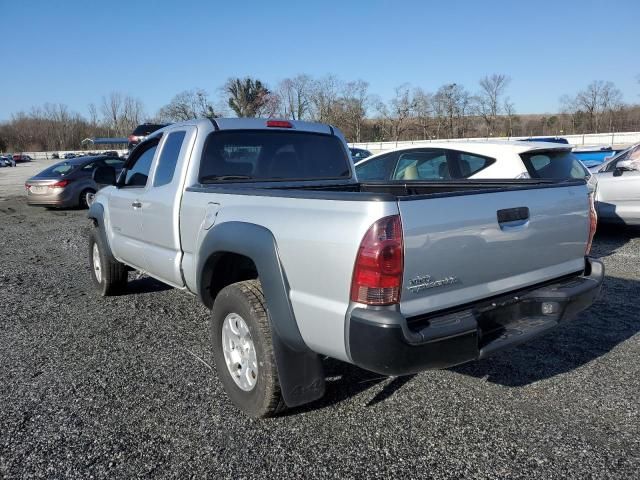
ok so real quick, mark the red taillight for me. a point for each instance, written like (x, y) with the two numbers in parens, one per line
(593, 223)
(27, 186)
(132, 139)
(279, 124)
(377, 275)
(60, 184)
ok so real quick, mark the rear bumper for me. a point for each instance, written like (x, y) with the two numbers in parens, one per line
(63, 198)
(386, 342)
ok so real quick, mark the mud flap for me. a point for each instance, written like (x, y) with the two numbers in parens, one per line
(301, 374)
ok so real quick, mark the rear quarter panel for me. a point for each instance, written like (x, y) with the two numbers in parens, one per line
(317, 243)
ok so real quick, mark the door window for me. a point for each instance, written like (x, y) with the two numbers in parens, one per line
(423, 165)
(168, 159)
(138, 173)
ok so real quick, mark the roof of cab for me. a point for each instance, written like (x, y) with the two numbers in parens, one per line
(249, 124)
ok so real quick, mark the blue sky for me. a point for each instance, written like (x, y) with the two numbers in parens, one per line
(75, 52)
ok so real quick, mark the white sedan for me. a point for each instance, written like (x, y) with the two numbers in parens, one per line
(439, 161)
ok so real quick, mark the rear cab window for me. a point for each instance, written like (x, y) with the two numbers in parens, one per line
(554, 165)
(263, 155)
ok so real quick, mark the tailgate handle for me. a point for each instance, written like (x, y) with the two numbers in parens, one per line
(517, 214)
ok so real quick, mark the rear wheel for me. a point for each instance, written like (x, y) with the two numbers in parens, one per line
(108, 276)
(243, 349)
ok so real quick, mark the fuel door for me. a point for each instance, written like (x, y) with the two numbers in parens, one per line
(210, 215)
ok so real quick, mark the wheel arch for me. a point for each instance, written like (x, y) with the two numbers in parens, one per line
(300, 369)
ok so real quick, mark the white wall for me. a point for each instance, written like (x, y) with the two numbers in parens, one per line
(620, 139)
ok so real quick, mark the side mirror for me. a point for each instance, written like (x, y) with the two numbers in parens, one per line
(626, 166)
(105, 175)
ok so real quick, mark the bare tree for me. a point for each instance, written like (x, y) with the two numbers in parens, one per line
(399, 111)
(451, 104)
(112, 110)
(187, 105)
(295, 97)
(354, 103)
(93, 114)
(597, 99)
(510, 112)
(423, 110)
(488, 100)
(324, 97)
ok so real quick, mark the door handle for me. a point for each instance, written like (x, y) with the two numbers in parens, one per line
(136, 204)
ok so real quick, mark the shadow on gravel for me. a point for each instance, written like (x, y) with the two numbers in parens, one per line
(345, 381)
(610, 321)
(145, 285)
(610, 237)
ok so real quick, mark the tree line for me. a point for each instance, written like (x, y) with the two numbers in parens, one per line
(412, 113)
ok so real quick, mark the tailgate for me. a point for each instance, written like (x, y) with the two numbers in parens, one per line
(457, 251)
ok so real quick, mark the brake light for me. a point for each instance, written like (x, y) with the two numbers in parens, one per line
(60, 184)
(27, 186)
(377, 274)
(593, 223)
(132, 139)
(279, 124)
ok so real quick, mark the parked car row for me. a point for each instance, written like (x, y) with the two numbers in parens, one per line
(10, 160)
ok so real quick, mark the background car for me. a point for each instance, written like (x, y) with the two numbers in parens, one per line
(474, 160)
(618, 193)
(621, 155)
(68, 183)
(546, 139)
(19, 157)
(358, 154)
(591, 157)
(142, 131)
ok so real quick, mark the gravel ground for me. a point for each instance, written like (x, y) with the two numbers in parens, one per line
(122, 387)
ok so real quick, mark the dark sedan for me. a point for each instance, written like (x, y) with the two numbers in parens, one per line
(68, 183)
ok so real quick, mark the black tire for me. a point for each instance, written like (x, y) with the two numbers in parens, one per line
(247, 300)
(82, 201)
(113, 276)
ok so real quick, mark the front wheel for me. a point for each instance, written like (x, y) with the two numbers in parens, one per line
(108, 276)
(243, 349)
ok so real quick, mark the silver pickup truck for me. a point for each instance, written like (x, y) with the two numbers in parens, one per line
(265, 222)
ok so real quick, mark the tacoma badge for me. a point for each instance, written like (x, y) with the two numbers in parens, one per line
(422, 282)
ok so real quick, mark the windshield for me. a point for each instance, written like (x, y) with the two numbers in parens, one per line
(58, 170)
(276, 155)
(554, 165)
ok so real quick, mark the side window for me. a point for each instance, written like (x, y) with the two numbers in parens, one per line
(376, 169)
(470, 164)
(168, 159)
(89, 167)
(138, 173)
(423, 165)
(114, 162)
